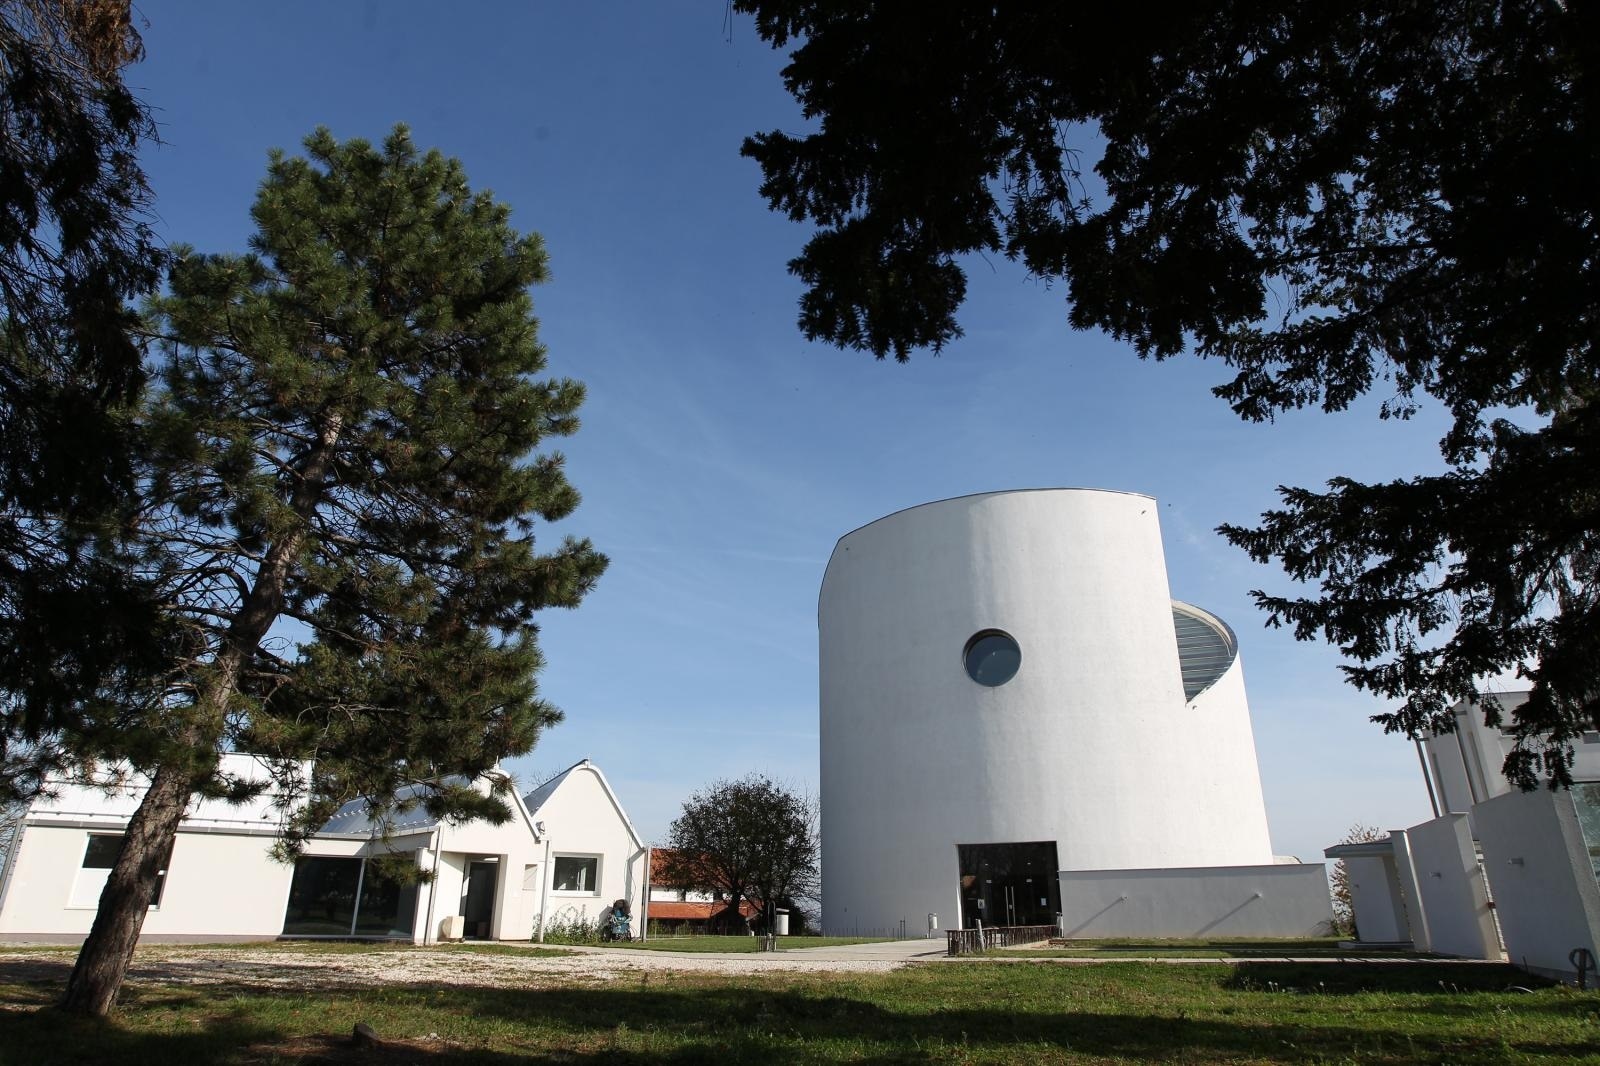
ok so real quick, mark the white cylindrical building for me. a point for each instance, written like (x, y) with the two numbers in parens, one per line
(1008, 690)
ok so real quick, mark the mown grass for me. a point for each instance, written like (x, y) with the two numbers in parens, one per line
(1247, 1012)
(742, 944)
(1232, 948)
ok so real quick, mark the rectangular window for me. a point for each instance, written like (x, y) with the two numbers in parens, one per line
(576, 873)
(335, 897)
(99, 856)
(387, 907)
(1586, 798)
(322, 897)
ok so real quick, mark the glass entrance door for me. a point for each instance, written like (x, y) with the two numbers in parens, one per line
(477, 898)
(1009, 884)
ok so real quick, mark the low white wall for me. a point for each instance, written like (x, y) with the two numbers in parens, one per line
(1545, 891)
(1405, 874)
(1450, 886)
(1278, 900)
(1375, 898)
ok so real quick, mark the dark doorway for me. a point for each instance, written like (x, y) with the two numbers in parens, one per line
(1009, 884)
(477, 900)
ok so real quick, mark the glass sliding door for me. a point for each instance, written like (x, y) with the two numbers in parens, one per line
(337, 897)
(387, 908)
(1009, 884)
(322, 897)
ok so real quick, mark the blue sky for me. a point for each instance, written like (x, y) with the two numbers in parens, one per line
(721, 455)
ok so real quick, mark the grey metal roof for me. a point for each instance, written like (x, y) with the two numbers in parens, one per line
(1367, 849)
(1206, 647)
(535, 799)
(407, 816)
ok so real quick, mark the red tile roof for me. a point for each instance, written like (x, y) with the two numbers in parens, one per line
(665, 910)
(659, 857)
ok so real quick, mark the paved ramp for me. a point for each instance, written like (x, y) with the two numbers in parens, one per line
(883, 951)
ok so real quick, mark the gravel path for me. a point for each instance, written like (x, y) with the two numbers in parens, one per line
(290, 969)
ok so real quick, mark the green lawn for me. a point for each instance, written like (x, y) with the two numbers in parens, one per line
(1250, 1012)
(741, 944)
(1232, 948)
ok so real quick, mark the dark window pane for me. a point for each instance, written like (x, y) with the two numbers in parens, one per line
(1586, 797)
(322, 897)
(101, 854)
(576, 875)
(992, 658)
(388, 908)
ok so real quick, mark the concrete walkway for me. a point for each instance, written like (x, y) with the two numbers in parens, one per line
(1227, 960)
(892, 951)
(904, 952)
(882, 951)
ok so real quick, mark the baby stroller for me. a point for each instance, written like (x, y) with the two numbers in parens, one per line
(618, 926)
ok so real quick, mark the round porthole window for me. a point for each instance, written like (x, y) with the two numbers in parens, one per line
(992, 657)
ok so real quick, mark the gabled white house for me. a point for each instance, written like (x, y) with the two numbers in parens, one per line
(568, 849)
(592, 854)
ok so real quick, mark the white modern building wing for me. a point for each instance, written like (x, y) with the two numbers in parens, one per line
(1010, 701)
(1496, 867)
(567, 851)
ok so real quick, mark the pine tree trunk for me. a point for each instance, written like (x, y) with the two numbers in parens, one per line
(103, 962)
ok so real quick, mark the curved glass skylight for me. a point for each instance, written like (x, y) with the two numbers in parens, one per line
(1206, 647)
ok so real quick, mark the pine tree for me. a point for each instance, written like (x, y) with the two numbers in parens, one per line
(339, 459)
(1335, 201)
(74, 247)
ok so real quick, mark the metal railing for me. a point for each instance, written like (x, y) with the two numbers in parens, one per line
(977, 941)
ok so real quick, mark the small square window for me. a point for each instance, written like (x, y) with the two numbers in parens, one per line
(99, 856)
(575, 873)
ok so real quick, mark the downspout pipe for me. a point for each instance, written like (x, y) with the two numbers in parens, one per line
(544, 892)
(644, 906)
(428, 932)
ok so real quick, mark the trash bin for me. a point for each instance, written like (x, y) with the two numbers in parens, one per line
(780, 922)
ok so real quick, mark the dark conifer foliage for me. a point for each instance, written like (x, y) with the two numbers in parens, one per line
(1334, 200)
(341, 490)
(74, 248)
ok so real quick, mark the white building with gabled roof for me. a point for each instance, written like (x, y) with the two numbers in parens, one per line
(567, 851)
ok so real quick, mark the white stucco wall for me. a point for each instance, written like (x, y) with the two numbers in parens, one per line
(1091, 744)
(1454, 900)
(1544, 889)
(1465, 765)
(220, 880)
(1282, 899)
(217, 884)
(1380, 913)
(1405, 875)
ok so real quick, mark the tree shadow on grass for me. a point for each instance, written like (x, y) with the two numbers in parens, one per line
(783, 1026)
(635, 1023)
(1345, 978)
